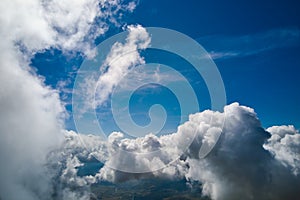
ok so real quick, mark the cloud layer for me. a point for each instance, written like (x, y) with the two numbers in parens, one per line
(248, 162)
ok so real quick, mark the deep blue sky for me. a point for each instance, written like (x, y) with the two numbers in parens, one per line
(257, 46)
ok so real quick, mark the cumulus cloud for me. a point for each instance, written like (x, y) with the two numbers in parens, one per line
(284, 144)
(247, 162)
(31, 119)
(239, 166)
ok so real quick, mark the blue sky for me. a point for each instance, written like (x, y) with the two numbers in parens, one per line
(255, 44)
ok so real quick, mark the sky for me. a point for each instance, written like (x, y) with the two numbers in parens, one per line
(254, 45)
(204, 93)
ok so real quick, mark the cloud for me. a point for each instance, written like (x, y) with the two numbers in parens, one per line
(241, 166)
(226, 47)
(98, 85)
(284, 144)
(66, 25)
(31, 119)
(120, 59)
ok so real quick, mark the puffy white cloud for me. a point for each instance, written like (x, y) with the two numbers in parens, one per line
(236, 167)
(73, 186)
(239, 167)
(31, 118)
(284, 144)
(67, 25)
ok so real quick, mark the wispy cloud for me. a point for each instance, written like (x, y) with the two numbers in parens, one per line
(225, 47)
(121, 58)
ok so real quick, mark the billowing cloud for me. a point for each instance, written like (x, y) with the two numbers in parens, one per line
(31, 119)
(239, 166)
(67, 25)
(242, 164)
(284, 144)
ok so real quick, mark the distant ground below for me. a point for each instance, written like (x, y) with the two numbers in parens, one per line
(148, 190)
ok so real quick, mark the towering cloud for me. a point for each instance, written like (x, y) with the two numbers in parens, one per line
(239, 166)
